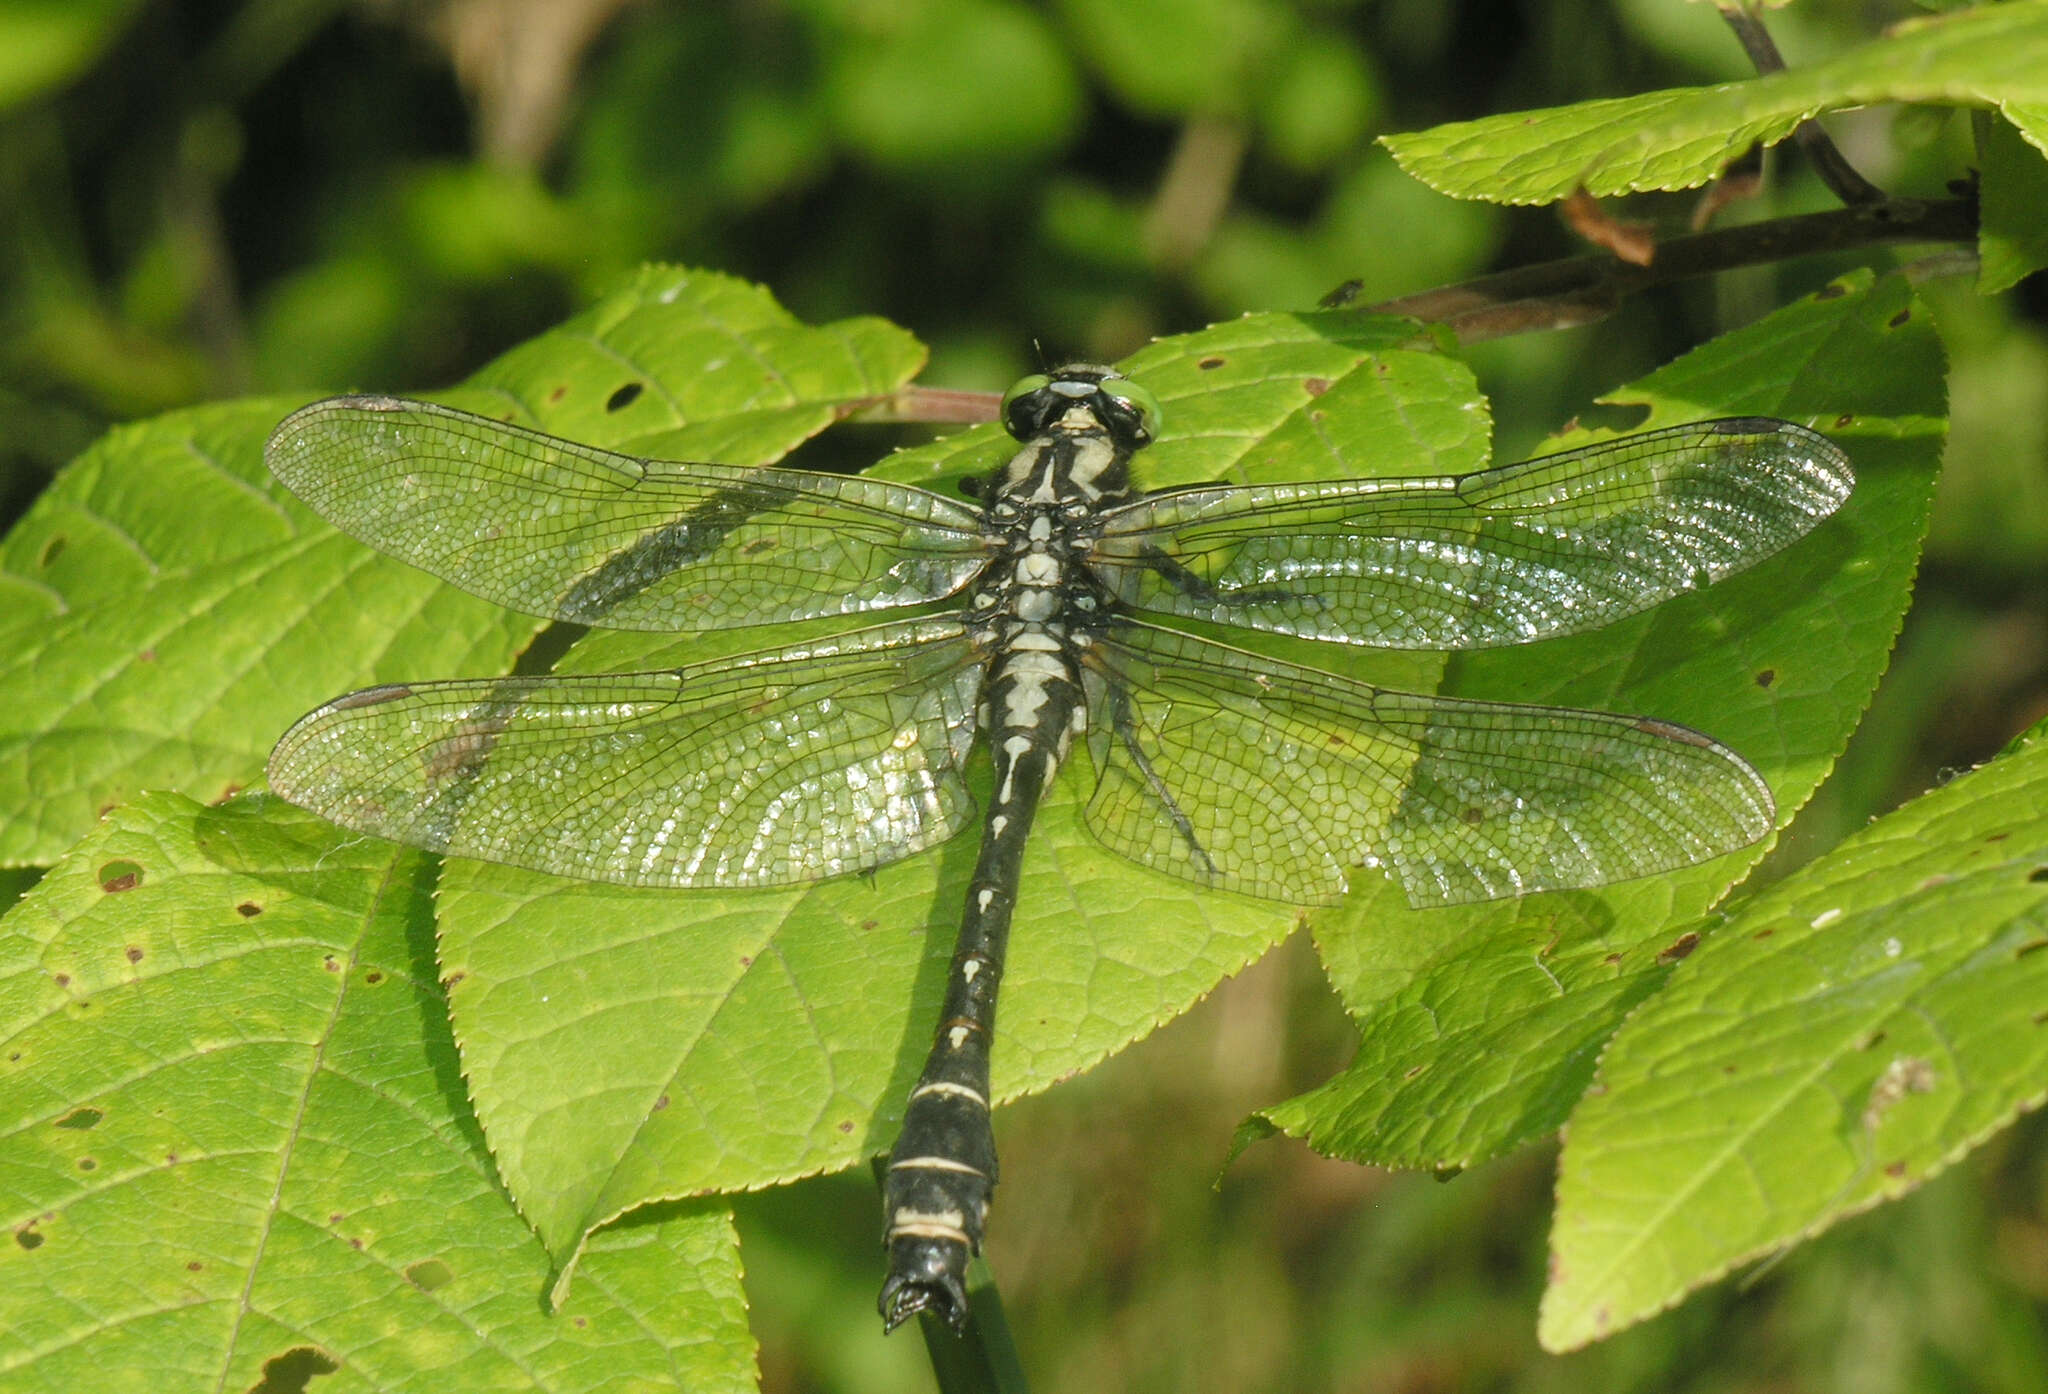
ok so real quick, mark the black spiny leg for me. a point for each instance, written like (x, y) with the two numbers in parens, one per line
(1177, 575)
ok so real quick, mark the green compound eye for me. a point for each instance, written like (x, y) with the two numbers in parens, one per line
(1024, 387)
(1142, 405)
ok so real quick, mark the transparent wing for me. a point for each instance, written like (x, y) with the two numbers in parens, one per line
(548, 527)
(1502, 556)
(779, 767)
(1270, 779)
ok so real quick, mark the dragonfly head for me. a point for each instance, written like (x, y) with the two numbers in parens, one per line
(1040, 402)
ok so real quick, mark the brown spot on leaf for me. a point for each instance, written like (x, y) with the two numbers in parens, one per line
(88, 1164)
(27, 1237)
(1898, 319)
(1830, 292)
(134, 953)
(1316, 387)
(248, 909)
(1210, 364)
(1845, 420)
(1765, 677)
(373, 977)
(120, 875)
(1680, 948)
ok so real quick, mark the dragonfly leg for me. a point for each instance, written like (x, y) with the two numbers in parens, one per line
(1177, 575)
(1126, 731)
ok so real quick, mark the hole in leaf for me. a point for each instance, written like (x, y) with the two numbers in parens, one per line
(117, 876)
(53, 549)
(1766, 677)
(293, 1371)
(625, 396)
(1898, 319)
(2038, 876)
(79, 1119)
(28, 1239)
(428, 1274)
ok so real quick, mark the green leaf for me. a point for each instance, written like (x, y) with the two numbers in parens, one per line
(235, 1143)
(1480, 1025)
(162, 637)
(1992, 56)
(171, 608)
(1848, 1034)
(2012, 243)
(625, 1046)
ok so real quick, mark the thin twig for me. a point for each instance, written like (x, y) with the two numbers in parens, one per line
(1580, 290)
(1828, 161)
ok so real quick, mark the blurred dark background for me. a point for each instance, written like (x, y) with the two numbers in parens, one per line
(209, 198)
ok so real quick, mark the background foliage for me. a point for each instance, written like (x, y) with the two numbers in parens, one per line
(200, 201)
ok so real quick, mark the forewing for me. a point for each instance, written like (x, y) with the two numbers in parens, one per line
(778, 767)
(549, 527)
(1502, 556)
(1271, 779)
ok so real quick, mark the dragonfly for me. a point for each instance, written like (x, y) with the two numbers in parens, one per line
(1050, 606)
